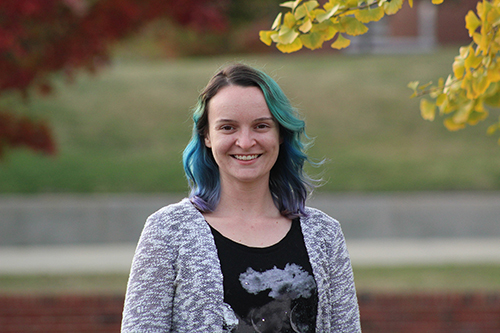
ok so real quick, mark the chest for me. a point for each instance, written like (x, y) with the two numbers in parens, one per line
(272, 288)
(263, 233)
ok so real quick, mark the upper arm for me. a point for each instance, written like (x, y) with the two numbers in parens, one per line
(338, 309)
(344, 301)
(150, 289)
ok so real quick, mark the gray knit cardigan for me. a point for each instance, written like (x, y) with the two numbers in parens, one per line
(175, 283)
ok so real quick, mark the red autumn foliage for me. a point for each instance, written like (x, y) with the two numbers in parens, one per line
(41, 37)
(18, 131)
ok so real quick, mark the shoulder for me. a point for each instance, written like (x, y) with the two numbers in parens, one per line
(178, 217)
(320, 219)
(179, 211)
(317, 225)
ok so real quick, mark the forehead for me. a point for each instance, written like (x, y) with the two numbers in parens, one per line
(238, 101)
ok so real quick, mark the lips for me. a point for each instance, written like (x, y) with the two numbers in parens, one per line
(246, 157)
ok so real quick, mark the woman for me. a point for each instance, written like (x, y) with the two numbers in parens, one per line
(242, 253)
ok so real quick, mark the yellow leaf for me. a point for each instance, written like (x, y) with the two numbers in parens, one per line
(483, 8)
(480, 84)
(492, 89)
(300, 12)
(327, 31)
(306, 26)
(427, 109)
(311, 5)
(479, 9)
(483, 43)
(458, 67)
(326, 15)
(265, 36)
(287, 35)
(472, 22)
(437, 2)
(446, 107)
(467, 86)
(493, 128)
(330, 4)
(410, 2)
(493, 100)
(494, 73)
(441, 99)
(463, 112)
(312, 40)
(341, 42)
(392, 7)
(486, 61)
(413, 86)
(480, 106)
(424, 86)
(352, 26)
(275, 38)
(440, 83)
(494, 16)
(476, 117)
(277, 21)
(464, 51)
(305, 9)
(291, 4)
(452, 85)
(336, 24)
(289, 20)
(476, 37)
(289, 48)
(370, 14)
(451, 125)
(472, 61)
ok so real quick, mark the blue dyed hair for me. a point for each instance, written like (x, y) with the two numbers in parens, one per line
(288, 183)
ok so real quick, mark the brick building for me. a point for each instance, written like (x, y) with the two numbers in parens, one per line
(417, 29)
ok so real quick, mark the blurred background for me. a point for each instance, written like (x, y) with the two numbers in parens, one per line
(103, 90)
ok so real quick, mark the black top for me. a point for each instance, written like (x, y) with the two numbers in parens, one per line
(271, 289)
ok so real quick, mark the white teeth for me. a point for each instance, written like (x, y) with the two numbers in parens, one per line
(245, 157)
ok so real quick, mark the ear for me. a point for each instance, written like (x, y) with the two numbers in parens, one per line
(208, 144)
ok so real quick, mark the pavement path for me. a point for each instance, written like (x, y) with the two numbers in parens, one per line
(116, 258)
(97, 234)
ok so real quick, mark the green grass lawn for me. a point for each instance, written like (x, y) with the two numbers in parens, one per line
(124, 129)
(399, 279)
(445, 278)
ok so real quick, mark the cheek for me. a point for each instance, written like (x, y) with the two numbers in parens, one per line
(219, 144)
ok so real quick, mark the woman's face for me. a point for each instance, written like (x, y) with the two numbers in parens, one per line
(243, 135)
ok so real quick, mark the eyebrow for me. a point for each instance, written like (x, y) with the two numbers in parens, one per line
(234, 121)
(264, 118)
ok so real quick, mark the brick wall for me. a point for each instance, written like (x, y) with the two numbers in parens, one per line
(450, 21)
(430, 313)
(58, 314)
(380, 313)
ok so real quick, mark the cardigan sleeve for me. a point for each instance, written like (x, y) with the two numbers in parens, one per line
(344, 302)
(150, 289)
(338, 309)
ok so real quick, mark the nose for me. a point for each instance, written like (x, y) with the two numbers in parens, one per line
(245, 139)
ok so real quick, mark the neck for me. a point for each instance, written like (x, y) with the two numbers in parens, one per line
(246, 200)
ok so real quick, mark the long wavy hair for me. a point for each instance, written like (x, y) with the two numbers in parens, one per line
(288, 182)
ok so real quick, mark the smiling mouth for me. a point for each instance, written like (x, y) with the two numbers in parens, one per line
(246, 157)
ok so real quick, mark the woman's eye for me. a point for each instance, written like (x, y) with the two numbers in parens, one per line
(226, 127)
(262, 126)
